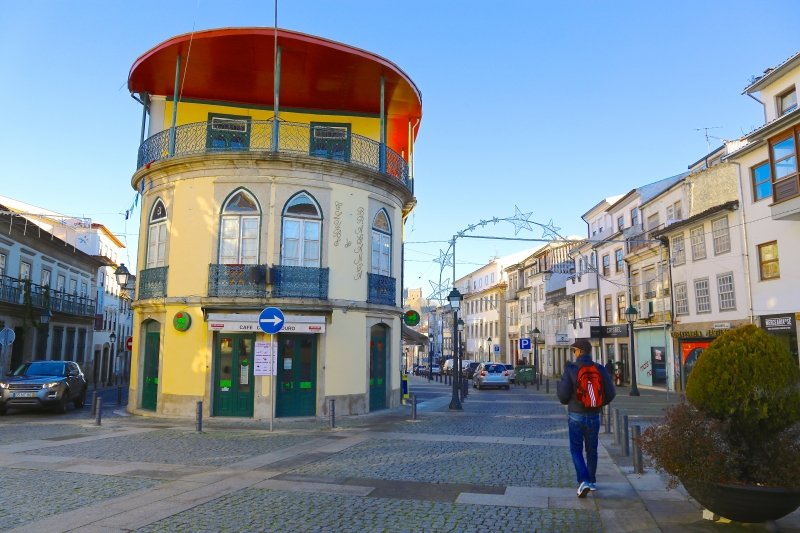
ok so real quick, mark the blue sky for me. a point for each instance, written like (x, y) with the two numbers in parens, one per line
(548, 106)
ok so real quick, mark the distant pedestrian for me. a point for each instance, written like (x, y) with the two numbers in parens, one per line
(610, 368)
(585, 387)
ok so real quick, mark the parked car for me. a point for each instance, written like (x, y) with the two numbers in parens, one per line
(469, 370)
(447, 368)
(511, 374)
(491, 375)
(43, 384)
(436, 370)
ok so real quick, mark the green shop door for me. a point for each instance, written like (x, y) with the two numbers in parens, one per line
(150, 371)
(377, 368)
(233, 374)
(297, 375)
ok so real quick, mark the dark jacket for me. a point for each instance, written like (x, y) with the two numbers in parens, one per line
(566, 387)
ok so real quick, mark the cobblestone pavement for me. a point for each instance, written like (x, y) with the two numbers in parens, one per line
(501, 464)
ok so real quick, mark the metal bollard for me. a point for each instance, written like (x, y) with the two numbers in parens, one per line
(464, 389)
(333, 413)
(626, 446)
(638, 461)
(617, 424)
(199, 417)
(607, 411)
(98, 418)
(537, 383)
(547, 386)
(119, 395)
(94, 402)
(413, 407)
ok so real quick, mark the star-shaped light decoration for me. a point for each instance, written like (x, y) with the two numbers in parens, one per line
(521, 220)
(550, 231)
(438, 290)
(445, 258)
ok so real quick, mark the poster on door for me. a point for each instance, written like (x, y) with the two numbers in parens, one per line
(265, 358)
(690, 353)
(659, 363)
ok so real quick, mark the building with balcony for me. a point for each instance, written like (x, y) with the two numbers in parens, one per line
(769, 189)
(45, 281)
(275, 170)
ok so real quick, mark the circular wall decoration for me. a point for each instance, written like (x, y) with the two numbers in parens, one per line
(181, 321)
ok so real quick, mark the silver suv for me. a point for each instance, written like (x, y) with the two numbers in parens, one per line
(41, 384)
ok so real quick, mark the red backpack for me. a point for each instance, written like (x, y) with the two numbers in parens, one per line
(589, 387)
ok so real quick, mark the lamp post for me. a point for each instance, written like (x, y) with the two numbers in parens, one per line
(430, 356)
(455, 302)
(113, 340)
(460, 357)
(632, 313)
(489, 349)
(122, 274)
(535, 333)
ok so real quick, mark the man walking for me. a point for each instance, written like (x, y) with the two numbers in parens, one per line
(585, 387)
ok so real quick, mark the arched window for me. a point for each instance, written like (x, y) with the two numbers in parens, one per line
(381, 244)
(302, 228)
(157, 236)
(239, 229)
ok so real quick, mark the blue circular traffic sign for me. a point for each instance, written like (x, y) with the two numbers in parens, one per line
(271, 320)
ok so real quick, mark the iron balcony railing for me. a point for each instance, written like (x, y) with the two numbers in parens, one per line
(382, 289)
(299, 282)
(293, 138)
(12, 290)
(237, 280)
(152, 283)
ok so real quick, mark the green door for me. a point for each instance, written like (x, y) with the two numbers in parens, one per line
(233, 374)
(377, 368)
(150, 371)
(297, 375)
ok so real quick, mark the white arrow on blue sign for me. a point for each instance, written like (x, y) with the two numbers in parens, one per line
(524, 344)
(271, 320)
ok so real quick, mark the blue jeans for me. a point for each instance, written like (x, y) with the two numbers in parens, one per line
(583, 431)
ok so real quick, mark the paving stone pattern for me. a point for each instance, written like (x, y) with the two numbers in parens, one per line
(27, 495)
(499, 425)
(449, 462)
(173, 446)
(268, 510)
(23, 432)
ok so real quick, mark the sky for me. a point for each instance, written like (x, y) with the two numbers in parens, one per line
(531, 107)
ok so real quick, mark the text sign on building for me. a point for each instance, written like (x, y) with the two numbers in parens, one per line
(524, 344)
(773, 323)
(562, 338)
(608, 332)
(265, 355)
(244, 323)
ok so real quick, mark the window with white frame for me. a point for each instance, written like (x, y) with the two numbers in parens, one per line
(157, 236)
(681, 299)
(61, 282)
(302, 229)
(698, 238)
(768, 261)
(239, 230)
(702, 296)
(620, 264)
(721, 235)
(678, 250)
(634, 216)
(787, 101)
(381, 244)
(2, 264)
(620, 222)
(761, 181)
(46, 274)
(24, 270)
(675, 211)
(727, 295)
(653, 222)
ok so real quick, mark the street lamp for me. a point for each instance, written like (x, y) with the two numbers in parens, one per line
(113, 340)
(489, 349)
(535, 334)
(455, 302)
(632, 314)
(122, 274)
(430, 356)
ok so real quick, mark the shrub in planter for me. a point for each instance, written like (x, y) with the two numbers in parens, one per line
(742, 422)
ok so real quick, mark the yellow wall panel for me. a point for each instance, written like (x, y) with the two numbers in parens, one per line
(186, 355)
(345, 340)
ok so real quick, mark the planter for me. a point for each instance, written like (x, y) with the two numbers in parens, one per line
(745, 503)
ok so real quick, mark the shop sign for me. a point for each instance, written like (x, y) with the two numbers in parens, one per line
(562, 338)
(778, 323)
(608, 332)
(722, 325)
(249, 323)
(698, 334)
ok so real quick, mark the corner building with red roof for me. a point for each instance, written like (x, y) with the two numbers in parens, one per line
(275, 171)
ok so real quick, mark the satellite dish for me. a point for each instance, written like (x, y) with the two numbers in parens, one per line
(256, 275)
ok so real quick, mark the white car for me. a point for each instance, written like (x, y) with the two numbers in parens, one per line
(491, 375)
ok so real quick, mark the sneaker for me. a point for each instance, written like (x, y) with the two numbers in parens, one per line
(583, 489)
(592, 487)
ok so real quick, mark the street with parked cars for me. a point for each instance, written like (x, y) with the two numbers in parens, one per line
(42, 385)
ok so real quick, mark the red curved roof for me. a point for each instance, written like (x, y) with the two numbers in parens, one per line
(236, 65)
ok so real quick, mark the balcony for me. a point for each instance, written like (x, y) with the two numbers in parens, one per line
(237, 280)
(786, 197)
(299, 282)
(153, 283)
(293, 138)
(14, 291)
(579, 283)
(382, 289)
